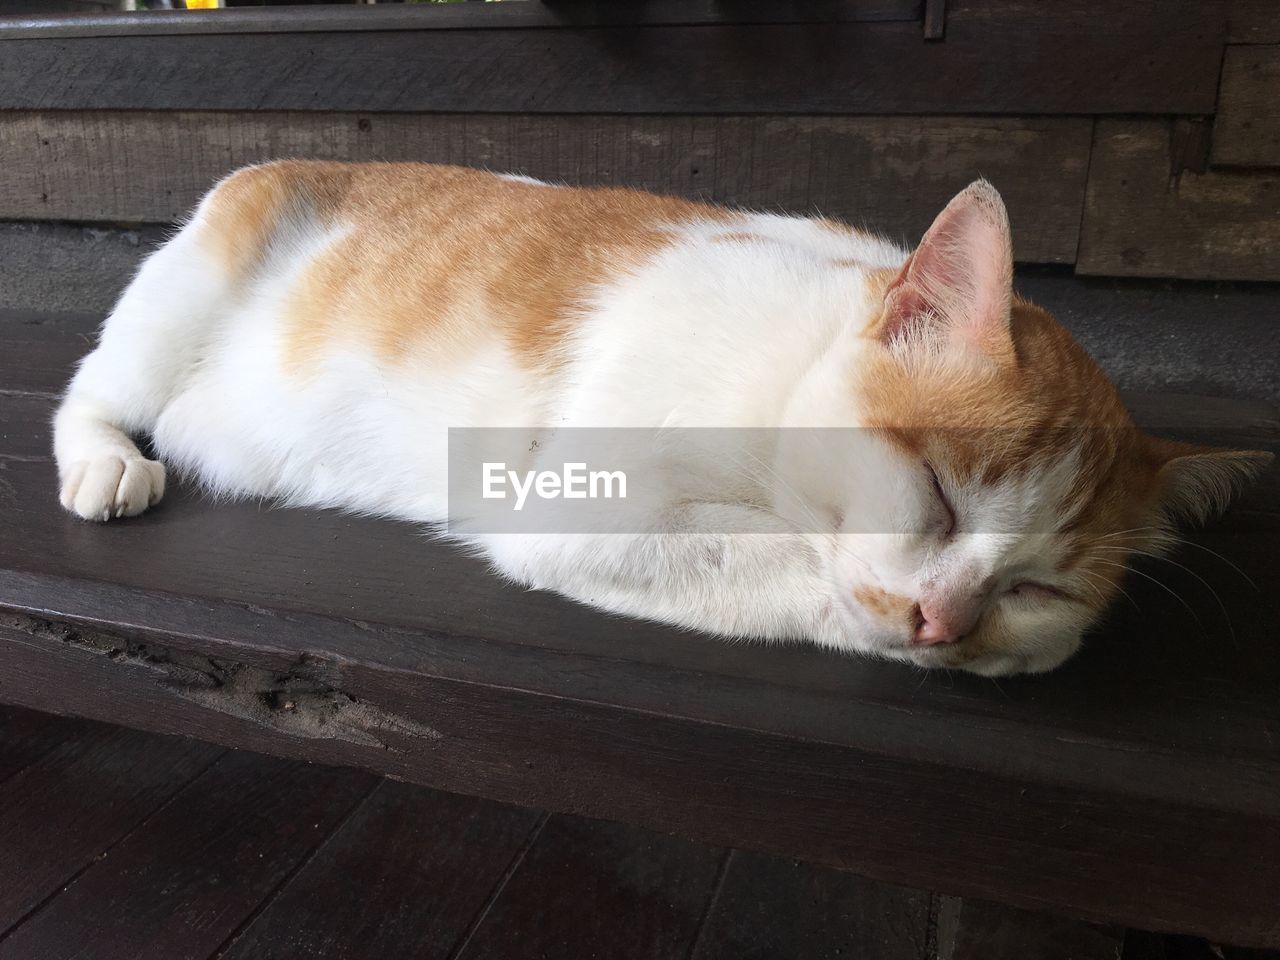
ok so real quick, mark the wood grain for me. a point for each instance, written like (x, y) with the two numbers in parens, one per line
(599, 890)
(1094, 852)
(1139, 221)
(25, 737)
(404, 877)
(418, 873)
(21, 434)
(1146, 56)
(1253, 21)
(560, 13)
(154, 166)
(67, 809)
(246, 824)
(975, 930)
(1137, 783)
(1247, 130)
(769, 908)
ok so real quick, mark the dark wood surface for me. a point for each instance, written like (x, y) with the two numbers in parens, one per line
(1253, 21)
(70, 807)
(553, 13)
(1141, 221)
(394, 853)
(1076, 57)
(590, 889)
(254, 857)
(1137, 784)
(205, 861)
(84, 166)
(1247, 130)
(974, 930)
(25, 737)
(767, 907)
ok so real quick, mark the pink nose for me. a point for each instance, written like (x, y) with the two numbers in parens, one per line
(932, 629)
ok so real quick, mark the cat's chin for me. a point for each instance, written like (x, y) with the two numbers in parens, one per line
(852, 633)
(996, 663)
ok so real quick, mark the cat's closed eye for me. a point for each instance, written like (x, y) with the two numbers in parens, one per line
(948, 524)
(1036, 592)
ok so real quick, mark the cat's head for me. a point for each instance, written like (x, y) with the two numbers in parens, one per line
(996, 488)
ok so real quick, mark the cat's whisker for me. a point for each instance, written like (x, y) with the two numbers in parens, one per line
(1088, 582)
(1122, 591)
(1163, 586)
(1131, 531)
(1182, 541)
(1208, 586)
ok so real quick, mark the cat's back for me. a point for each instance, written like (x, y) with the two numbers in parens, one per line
(400, 254)
(407, 255)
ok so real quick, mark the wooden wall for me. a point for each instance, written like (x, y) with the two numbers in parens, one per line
(1139, 138)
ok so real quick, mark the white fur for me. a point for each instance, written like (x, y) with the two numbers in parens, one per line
(729, 334)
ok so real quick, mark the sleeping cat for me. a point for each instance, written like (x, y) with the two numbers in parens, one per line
(316, 329)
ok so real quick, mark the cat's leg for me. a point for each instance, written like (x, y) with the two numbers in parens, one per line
(146, 347)
(768, 583)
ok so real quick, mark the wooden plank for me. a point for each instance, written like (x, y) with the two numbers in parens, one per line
(581, 13)
(1214, 339)
(245, 826)
(26, 736)
(68, 267)
(66, 810)
(599, 890)
(935, 19)
(1137, 784)
(1146, 56)
(975, 930)
(1247, 130)
(21, 434)
(424, 864)
(1103, 855)
(1192, 141)
(39, 354)
(1138, 221)
(769, 907)
(1253, 21)
(154, 166)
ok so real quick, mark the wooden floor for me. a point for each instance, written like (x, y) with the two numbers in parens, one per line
(121, 844)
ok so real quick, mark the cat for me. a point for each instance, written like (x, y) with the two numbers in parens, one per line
(315, 329)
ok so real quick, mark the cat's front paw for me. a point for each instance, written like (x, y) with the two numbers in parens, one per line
(111, 486)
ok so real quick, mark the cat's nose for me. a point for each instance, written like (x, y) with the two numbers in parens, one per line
(932, 627)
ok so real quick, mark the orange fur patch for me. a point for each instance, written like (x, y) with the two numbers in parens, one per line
(434, 253)
(887, 606)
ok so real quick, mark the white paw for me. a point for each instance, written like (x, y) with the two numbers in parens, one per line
(110, 486)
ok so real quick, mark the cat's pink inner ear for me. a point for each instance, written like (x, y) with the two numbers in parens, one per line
(959, 281)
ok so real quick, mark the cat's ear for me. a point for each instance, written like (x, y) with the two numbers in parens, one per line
(1197, 483)
(958, 284)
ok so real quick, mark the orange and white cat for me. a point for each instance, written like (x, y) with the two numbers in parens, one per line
(316, 329)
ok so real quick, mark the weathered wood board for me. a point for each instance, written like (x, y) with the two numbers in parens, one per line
(890, 173)
(974, 930)
(1253, 21)
(557, 13)
(1246, 131)
(1141, 221)
(1010, 57)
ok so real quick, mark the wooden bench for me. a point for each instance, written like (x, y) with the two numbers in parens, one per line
(1139, 784)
